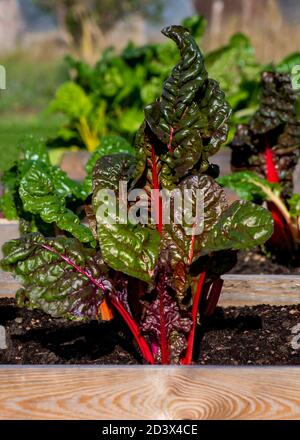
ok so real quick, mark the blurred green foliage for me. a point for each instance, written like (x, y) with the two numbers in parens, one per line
(31, 84)
(13, 129)
(109, 97)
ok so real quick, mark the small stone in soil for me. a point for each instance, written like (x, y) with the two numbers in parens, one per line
(3, 345)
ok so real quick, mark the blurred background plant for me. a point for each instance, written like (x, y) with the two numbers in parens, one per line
(86, 22)
(116, 61)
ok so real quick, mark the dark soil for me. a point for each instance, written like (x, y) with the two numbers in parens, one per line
(259, 335)
(255, 262)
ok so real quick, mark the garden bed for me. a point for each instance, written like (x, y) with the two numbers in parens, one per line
(255, 262)
(142, 392)
(257, 335)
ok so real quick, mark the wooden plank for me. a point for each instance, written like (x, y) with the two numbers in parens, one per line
(149, 392)
(238, 290)
(8, 231)
(8, 286)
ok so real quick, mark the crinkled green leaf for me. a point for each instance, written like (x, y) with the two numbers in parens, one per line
(242, 226)
(110, 144)
(110, 170)
(249, 186)
(129, 248)
(32, 150)
(179, 239)
(42, 194)
(190, 120)
(43, 191)
(51, 283)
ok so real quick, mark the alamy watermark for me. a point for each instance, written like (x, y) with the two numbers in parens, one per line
(2, 77)
(182, 207)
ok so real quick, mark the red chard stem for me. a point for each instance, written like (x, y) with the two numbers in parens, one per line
(157, 197)
(190, 344)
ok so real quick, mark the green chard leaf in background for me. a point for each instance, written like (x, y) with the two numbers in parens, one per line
(249, 186)
(41, 193)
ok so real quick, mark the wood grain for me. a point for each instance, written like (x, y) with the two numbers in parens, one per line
(150, 393)
(238, 290)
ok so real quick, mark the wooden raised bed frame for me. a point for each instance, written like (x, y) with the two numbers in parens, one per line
(138, 392)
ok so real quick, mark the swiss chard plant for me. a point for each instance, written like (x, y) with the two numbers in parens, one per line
(265, 153)
(160, 276)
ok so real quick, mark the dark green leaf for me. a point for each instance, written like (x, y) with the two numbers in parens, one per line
(180, 239)
(129, 248)
(109, 145)
(249, 186)
(242, 226)
(191, 116)
(50, 282)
